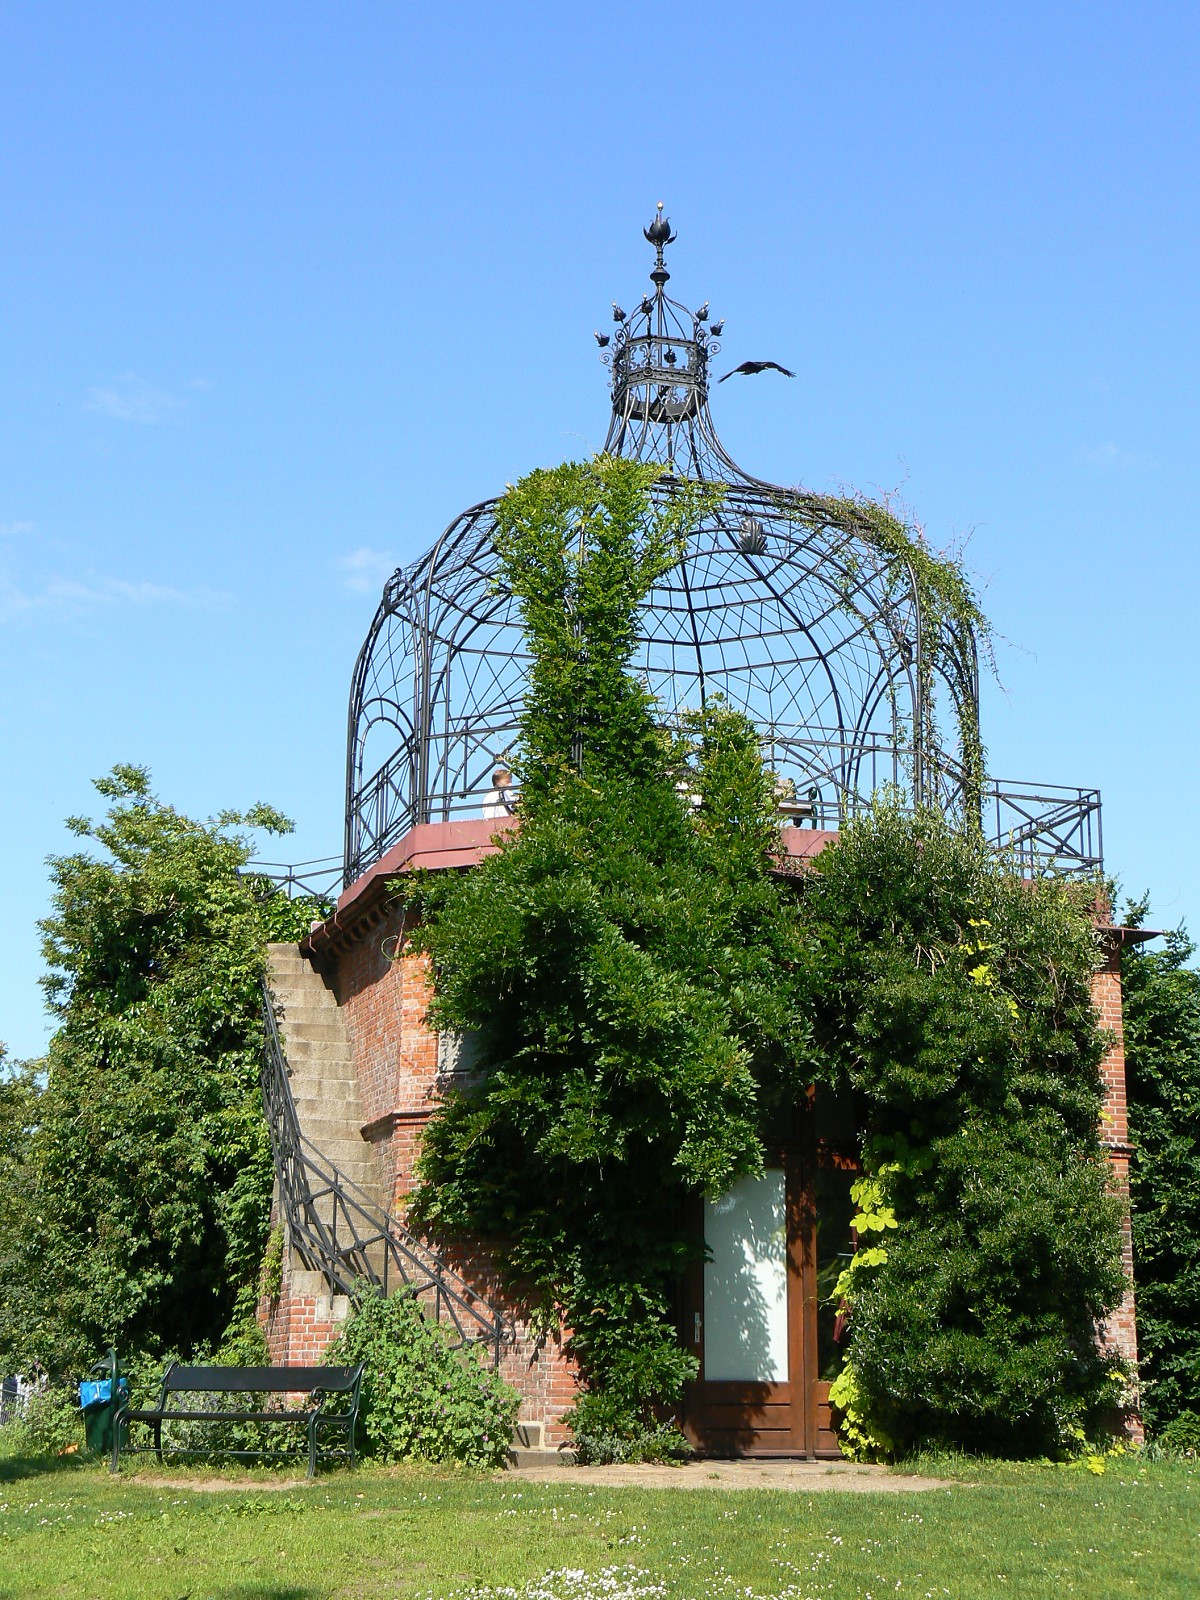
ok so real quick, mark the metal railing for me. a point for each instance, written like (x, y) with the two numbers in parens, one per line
(1045, 827)
(340, 1232)
(320, 879)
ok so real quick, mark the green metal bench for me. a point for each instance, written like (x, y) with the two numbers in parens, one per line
(318, 1383)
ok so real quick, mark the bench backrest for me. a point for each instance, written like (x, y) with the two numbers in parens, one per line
(251, 1380)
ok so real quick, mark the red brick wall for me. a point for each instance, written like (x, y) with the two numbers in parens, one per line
(368, 986)
(1120, 1330)
(299, 1326)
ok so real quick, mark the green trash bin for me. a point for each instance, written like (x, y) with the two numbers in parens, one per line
(99, 1398)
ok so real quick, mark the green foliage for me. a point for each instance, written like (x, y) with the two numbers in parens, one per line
(953, 628)
(1162, 1062)
(602, 1434)
(49, 1423)
(580, 546)
(623, 961)
(1182, 1434)
(954, 999)
(19, 1095)
(422, 1400)
(148, 1173)
(647, 999)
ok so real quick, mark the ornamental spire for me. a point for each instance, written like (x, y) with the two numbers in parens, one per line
(660, 364)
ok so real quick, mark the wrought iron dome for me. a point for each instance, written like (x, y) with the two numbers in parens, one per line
(785, 602)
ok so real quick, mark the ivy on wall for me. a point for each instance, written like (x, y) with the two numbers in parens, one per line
(625, 959)
(647, 993)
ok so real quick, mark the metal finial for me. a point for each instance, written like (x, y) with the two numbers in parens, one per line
(659, 232)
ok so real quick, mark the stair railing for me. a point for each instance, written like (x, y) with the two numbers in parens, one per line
(339, 1231)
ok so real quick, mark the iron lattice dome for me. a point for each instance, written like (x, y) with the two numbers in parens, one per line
(782, 602)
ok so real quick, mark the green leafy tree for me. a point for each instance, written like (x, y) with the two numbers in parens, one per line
(623, 959)
(19, 1096)
(954, 999)
(1162, 1055)
(149, 1169)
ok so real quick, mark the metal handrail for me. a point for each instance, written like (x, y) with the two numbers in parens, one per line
(359, 1241)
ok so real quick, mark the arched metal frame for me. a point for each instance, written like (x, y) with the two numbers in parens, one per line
(782, 603)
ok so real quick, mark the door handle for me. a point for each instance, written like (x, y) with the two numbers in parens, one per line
(696, 1328)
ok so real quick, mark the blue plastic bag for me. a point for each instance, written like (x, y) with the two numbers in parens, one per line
(98, 1392)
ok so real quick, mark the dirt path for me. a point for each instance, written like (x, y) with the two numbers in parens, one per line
(804, 1476)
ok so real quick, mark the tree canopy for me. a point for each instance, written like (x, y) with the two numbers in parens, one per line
(145, 1170)
(1162, 1045)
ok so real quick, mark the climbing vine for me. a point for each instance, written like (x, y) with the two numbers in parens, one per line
(953, 627)
(625, 960)
(648, 994)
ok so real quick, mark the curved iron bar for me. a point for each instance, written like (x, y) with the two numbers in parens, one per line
(340, 1232)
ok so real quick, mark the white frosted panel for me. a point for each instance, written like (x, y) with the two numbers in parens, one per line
(745, 1283)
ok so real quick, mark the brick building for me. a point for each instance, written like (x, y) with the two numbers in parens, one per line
(791, 606)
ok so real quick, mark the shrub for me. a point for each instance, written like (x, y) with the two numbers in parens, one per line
(49, 1423)
(954, 1000)
(608, 1429)
(421, 1398)
(1181, 1435)
(1162, 1044)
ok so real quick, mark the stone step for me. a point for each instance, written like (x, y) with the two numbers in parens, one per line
(296, 1003)
(332, 1031)
(330, 1091)
(317, 1083)
(518, 1458)
(329, 1100)
(322, 1128)
(332, 1052)
(349, 1155)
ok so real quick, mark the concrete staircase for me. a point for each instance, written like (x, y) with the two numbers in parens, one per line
(335, 1208)
(323, 1080)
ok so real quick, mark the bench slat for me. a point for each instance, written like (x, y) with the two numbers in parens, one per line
(273, 1380)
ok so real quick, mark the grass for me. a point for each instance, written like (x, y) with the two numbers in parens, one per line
(1000, 1530)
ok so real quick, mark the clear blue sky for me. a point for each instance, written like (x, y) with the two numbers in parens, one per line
(284, 287)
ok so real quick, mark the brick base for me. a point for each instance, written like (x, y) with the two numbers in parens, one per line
(303, 1320)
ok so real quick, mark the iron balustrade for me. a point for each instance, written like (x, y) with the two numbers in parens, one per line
(340, 1232)
(319, 879)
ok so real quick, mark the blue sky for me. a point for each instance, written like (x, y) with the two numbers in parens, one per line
(284, 288)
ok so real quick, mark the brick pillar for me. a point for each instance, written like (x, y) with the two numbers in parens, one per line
(1120, 1329)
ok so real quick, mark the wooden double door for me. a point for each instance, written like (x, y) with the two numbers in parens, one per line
(759, 1313)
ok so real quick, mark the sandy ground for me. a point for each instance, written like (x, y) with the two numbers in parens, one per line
(804, 1476)
(143, 1480)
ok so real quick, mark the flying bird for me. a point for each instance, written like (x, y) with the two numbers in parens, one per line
(751, 367)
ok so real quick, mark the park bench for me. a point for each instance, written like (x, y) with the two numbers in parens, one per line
(318, 1383)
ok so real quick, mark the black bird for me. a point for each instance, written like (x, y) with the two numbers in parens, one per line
(751, 367)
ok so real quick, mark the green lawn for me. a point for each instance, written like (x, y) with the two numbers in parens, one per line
(1000, 1531)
